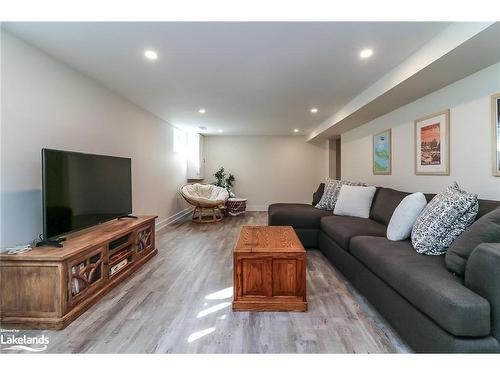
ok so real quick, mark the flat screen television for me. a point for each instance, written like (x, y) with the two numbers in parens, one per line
(81, 190)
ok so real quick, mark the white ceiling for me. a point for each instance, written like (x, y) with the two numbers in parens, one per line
(459, 51)
(252, 78)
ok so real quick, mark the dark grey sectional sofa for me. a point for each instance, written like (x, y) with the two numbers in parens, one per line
(433, 309)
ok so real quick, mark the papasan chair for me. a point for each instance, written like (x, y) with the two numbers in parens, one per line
(205, 197)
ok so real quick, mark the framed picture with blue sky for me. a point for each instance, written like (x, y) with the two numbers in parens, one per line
(382, 153)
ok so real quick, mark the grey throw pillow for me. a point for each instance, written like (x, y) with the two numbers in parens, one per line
(446, 216)
(484, 230)
(331, 193)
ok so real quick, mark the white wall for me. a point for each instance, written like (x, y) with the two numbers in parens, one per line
(470, 139)
(47, 104)
(268, 169)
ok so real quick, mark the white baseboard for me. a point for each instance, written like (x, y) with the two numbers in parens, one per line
(173, 219)
(262, 207)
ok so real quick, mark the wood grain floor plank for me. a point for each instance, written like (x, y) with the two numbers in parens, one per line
(180, 302)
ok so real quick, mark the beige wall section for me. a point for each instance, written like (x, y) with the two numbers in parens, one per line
(47, 104)
(470, 132)
(269, 169)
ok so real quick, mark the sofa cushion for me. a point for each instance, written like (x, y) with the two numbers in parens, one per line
(404, 216)
(446, 216)
(486, 229)
(384, 204)
(486, 206)
(342, 228)
(318, 194)
(297, 215)
(355, 201)
(331, 193)
(426, 283)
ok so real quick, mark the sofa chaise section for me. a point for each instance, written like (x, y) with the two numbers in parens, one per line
(304, 218)
(426, 283)
(482, 275)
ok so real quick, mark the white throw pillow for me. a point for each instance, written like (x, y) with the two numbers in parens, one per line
(355, 201)
(331, 193)
(404, 217)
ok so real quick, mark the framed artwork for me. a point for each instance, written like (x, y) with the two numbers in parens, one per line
(382, 153)
(495, 136)
(432, 144)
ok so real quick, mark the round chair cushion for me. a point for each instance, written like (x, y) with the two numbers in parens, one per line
(205, 194)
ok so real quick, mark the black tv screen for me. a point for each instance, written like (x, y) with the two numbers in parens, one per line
(82, 190)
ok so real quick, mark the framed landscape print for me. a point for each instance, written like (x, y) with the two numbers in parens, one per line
(432, 144)
(382, 153)
(495, 136)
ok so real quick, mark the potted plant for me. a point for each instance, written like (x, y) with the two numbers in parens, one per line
(223, 181)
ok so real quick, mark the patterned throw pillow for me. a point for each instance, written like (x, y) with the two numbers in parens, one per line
(331, 193)
(446, 216)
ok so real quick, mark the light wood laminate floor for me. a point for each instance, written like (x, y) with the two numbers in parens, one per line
(180, 302)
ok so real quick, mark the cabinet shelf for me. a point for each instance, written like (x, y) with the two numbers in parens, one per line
(118, 248)
(120, 271)
(120, 258)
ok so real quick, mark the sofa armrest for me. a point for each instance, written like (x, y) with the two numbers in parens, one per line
(318, 194)
(482, 275)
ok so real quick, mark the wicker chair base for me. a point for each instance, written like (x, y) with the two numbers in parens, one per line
(213, 215)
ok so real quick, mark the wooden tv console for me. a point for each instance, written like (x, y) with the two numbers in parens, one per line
(49, 287)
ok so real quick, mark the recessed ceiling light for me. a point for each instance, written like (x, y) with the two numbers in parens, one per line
(202, 111)
(314, 110)
(150, 54)
(295, 130)
(365, 53)
(219, 131)
(202, 127)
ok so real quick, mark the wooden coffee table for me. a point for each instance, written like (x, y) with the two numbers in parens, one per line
(269, 270)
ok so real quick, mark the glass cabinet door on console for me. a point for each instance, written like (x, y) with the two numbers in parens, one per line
(85, 275)
(145, 240)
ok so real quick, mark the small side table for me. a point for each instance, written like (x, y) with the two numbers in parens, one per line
(236, 206)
